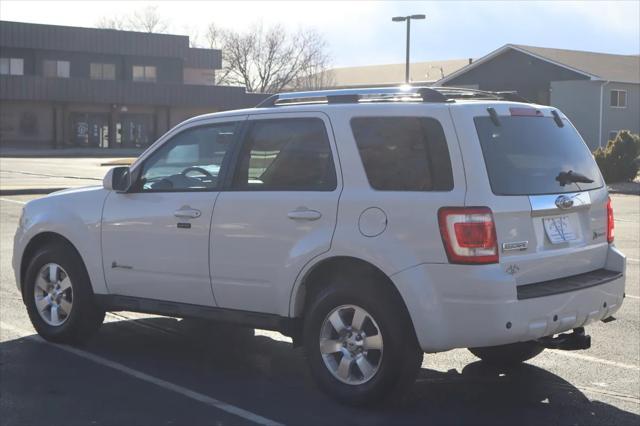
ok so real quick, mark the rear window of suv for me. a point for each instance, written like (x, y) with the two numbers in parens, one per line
(524, 155)
(403, 153)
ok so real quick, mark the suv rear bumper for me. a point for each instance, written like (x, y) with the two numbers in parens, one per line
(480, 306)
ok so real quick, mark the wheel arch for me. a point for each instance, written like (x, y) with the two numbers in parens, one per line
(38, 241)
(316, 277)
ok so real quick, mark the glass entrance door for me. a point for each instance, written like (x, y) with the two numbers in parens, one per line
(135, 130)
(89, 130)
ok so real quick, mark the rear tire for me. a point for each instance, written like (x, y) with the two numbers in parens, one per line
(508, 355)
(380, 347)
(58, 295)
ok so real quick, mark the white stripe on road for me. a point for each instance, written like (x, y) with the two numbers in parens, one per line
(629, 259)
(594, 359)
(13, 201)
(625, 220)
(631, 297)
(150, 379)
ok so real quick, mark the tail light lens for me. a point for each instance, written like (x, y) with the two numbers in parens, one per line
(469, 234)
(610, 224)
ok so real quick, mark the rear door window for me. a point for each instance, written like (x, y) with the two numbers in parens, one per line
(291, 154)
(524, 155)
(403, 153)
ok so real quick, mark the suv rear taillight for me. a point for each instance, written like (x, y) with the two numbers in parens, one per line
(469, 234)
(610, 224)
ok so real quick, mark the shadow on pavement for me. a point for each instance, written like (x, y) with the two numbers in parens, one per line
(268, 377)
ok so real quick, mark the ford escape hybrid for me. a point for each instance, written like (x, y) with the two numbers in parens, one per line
(370, 225)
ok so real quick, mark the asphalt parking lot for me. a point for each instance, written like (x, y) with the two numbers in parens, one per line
(143, 370)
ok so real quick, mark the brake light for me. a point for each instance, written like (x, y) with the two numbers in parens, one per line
(468, 234)
(610, 224)
(525, 112)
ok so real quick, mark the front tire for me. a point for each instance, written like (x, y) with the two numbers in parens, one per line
(58, 296)
(508, 355)
(359, 342)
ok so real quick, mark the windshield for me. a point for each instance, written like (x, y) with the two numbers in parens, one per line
(524, 155)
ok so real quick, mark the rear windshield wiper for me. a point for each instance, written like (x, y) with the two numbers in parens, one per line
(572, 177)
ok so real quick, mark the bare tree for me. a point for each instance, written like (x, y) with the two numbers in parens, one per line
(264, 60)
(195, 39)
(215, 39)
(148, 20)
(269, 60)
(213, 36)
(145, 20)
(112, 22)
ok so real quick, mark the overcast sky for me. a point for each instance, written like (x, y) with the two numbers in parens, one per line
(361, 33)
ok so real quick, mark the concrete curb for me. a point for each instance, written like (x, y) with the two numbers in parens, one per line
(627, 188)
(29, 191)
(623, 192)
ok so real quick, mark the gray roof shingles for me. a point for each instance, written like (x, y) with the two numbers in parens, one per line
(606, 66)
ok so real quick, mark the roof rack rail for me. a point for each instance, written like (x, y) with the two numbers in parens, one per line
(401, 93)
(466, 93)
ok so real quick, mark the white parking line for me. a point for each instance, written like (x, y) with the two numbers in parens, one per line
(625, 220)
(594, 359)
(8, 200)
(148, 378)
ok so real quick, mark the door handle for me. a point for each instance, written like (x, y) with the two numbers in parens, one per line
(188, 213)
(304, 213)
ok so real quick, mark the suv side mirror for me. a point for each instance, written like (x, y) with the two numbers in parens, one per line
(117, 179)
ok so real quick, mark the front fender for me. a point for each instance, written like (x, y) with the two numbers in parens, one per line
(76, 216)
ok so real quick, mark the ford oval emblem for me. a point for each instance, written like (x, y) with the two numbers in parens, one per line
(564, 202)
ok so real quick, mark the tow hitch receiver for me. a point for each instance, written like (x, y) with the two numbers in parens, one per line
(567, 341)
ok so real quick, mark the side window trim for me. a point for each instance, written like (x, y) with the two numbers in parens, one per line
(242, 141)
(229, 172)
(225, 168)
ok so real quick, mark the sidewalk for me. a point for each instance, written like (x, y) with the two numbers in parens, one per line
(70, 153)
(22, 175)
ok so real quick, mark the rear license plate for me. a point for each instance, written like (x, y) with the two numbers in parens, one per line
(559, 229)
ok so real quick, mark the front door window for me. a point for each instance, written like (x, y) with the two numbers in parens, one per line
(192, 160)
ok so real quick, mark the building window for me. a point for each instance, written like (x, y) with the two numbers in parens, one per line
(103, 71)
(58, 69)
(619, 98)
(144, 73)
(11, 66)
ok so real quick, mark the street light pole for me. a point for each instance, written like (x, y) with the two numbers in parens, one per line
(408, 20)
(406, 67)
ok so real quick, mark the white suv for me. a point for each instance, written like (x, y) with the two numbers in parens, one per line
(370, 225)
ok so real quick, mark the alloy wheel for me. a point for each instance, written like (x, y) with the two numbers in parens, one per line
(53, 294)
(351, 344)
